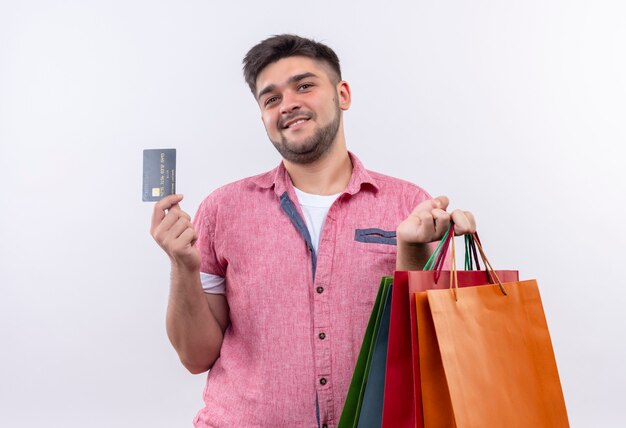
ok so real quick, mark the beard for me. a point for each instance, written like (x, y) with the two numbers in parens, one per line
(313, 148)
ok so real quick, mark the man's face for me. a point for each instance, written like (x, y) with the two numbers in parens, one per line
(301, 103)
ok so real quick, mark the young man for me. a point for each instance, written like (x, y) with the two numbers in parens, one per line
(273, 282)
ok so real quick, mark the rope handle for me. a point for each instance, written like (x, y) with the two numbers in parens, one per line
(454, 281)
(473, 247)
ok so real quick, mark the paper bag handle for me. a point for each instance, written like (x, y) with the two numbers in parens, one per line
(490, 270)
(435, 262)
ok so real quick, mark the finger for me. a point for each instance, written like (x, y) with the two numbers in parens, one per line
(175, 209)
(441, 221)
(158, 212)
(179, 227)
(189, 235)
(185, 215)
(472, 221)
(440, 202)
(162, 232)
(426, 226)
(184, 241)
(462, 224)
(167, 202)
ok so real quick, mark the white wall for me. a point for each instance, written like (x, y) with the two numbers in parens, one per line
(514, 109)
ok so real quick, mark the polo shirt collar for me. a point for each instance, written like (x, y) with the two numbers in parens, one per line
(279, 179)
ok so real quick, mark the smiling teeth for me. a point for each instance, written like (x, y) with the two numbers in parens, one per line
(297, 122)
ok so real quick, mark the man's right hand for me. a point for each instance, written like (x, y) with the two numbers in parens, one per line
(172, 229)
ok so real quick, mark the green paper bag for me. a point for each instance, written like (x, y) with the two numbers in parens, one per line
(354, 399)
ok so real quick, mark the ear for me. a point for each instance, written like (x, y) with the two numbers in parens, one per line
(344, 94)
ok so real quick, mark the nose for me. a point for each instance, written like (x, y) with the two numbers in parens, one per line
(289, 103)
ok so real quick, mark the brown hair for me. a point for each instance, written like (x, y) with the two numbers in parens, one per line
(283, 46)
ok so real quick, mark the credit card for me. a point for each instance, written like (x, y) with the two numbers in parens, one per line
(159, 173)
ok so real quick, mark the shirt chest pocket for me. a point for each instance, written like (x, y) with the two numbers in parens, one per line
(377, 240)
(374, 256)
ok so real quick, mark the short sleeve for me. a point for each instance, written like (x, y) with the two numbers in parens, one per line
(205, 223)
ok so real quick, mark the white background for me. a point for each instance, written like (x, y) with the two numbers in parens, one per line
(515, 110)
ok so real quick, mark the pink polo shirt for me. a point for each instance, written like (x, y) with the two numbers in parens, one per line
(297, 318)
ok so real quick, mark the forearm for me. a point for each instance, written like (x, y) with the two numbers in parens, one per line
(192, 328)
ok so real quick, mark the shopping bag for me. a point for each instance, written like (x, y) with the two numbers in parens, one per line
(371, 413)
(485, 356)
(402, 406)
(354, 399)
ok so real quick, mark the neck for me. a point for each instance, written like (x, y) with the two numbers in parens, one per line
(328, 175)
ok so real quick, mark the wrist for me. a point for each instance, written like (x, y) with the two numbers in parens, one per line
(184, 270)
(412, 256)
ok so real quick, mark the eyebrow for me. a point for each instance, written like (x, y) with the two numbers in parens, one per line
(291, 80)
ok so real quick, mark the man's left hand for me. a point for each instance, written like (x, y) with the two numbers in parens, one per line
(427, 223)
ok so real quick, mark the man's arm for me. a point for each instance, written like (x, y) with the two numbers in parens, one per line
(195, 322)
(427, 223)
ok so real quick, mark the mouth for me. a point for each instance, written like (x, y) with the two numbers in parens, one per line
(295, 122)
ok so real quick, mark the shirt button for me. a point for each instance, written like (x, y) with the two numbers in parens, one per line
(320, 290)
(322, 336)
(324, 426)
(323, 381)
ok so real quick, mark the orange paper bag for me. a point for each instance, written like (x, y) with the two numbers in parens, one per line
(486, 358)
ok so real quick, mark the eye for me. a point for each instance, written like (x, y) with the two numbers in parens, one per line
(270, 100)
(305, 86)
